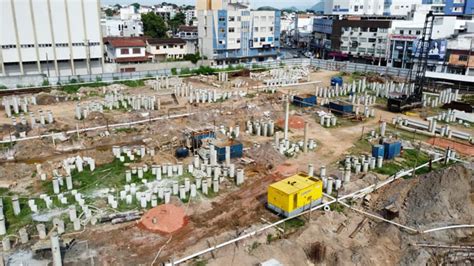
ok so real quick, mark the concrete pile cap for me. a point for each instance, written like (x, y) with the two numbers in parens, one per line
(165, 219)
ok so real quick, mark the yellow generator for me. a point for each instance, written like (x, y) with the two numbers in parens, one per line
(294, 194)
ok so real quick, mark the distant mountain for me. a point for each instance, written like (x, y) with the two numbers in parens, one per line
(267, 8)
(290, 9)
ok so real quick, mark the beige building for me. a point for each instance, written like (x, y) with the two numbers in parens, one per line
(209, 4)
(167, 49)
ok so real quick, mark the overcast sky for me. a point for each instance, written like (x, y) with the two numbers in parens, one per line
(302, 4)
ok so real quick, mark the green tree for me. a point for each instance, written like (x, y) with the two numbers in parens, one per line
(153, 25)
(136, 5)
(109, 12)
(178, 20)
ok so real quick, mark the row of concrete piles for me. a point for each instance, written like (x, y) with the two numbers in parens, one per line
(17, 104)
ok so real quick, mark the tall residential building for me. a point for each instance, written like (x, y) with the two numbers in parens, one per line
(50, 37)
(459, 7)
(232, 33)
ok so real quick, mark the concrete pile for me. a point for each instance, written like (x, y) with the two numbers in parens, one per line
(212, 95)
(124, 152)
(430, 128)
(231, 132)
(42, 118)
(265, 128)
(16, 104)
(453, 116)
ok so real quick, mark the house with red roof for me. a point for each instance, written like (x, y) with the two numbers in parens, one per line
(126, 50)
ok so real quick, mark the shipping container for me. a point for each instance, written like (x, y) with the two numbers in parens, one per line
(306, 100)
(236, 149)
(378, 150)
(294, 194)
(392, 149)
(341, 107)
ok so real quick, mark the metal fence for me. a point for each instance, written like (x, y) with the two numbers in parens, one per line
(319, 63)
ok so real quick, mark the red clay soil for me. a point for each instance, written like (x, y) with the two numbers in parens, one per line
(466, 149)
(165, 219)
(295, 122)
(286, 169)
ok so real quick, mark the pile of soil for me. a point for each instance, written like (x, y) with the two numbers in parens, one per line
(442, 198)
(437, 199)
(294, 122)
(44, 98)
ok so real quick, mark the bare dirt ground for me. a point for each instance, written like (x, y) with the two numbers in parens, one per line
(238, 210)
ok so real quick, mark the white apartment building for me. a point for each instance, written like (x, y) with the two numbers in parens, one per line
(129, 13)
(116, 27)
(50, 37)
(229, 32)
(370, 7)
(166, 12)
(190, 16)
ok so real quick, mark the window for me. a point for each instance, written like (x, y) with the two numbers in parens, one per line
(270, 29)
(181, 46)
(231, 18)
(270, 39)
(255, 29)
(136, 51)
(239, 18)
(164, 47)
(270, 18)
(124, 51)
(263, 18)
(231, 29)
(463, 57)
(238, 40)
(372, 40)
(373, 29)
(356, 8)
(262, 39)
(221, 19)
(402, 31)
(222, 30)
(255, 39)
(263, 29)
(418, 32)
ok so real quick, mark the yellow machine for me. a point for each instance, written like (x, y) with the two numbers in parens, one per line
(294, 194)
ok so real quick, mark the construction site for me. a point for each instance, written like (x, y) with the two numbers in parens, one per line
(283, 166)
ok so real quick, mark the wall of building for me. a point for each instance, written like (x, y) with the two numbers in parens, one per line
(125, 52)
(35, 31)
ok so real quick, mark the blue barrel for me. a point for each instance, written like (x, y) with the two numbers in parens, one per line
(182, 152)
(378, 150)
